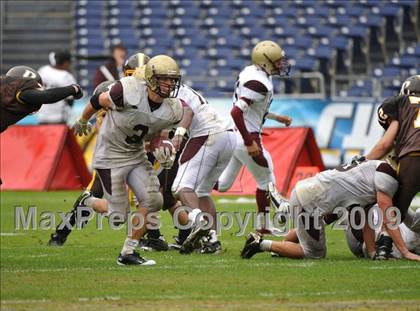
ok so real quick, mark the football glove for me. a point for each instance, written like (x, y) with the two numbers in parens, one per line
(357, 159)
(82, 127)
(165, 154)
(79, 91)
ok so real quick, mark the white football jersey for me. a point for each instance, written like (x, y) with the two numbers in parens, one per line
(121, 138)
(52, 78)
(346, 186)
(206, 120)
(255, 87)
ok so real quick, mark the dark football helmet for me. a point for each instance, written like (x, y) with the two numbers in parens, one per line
(411, 86)
(24, 72)
(133, 62)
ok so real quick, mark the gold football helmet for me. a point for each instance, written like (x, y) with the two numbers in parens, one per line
(133, 62)
(163, 67)
(139, 72)
(271, 57)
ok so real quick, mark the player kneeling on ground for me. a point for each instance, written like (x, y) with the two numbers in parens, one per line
(359, 184)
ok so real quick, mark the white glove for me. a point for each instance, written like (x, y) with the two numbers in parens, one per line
(165, 154)
(82, 127)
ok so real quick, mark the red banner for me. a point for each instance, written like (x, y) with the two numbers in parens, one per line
(42, 157)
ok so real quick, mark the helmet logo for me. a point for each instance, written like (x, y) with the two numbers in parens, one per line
(29, 74)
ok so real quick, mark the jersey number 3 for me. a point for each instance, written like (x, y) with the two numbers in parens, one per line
(136, 139)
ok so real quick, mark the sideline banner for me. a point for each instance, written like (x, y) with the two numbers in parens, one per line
(41, 157)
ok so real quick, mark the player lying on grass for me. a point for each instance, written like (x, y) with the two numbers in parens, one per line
(358, 184)
(410, 233)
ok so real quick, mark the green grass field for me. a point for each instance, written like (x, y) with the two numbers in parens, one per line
(83, 274)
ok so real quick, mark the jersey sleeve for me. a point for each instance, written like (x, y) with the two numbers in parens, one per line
(386, 179)
(116, 95)
(252, 91)
(177, 111)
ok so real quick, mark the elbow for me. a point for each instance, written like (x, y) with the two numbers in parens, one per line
(235, 113)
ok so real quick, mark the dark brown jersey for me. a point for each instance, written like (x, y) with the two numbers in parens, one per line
(12, 109)
(404, 109)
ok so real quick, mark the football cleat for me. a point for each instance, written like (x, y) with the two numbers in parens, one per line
(150, 244)
(252, 246)
(134, 259)
(193, 242)
(211, 248)
(56, 240)
(383, 248)
(177, 245)
(280, 203)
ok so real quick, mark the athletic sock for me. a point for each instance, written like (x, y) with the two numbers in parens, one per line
(265, 245)
(183, 234)
(263, 202)
(129, 246)
(192, 216)
(153, 233)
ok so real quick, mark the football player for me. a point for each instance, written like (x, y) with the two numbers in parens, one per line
(410, 233)
(252, 98)
(22, 93)
(314, 198)
(400, 117)
(206, 154)
(137, 110)
(59, 237)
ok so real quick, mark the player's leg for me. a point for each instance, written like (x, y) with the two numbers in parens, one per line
(180, 219)
(409, 186)
(196, 162)
(94, 189)
(310, 232)
(223, 148)
(154, 240)
(229, 175)
(143, 181)
(261, 168)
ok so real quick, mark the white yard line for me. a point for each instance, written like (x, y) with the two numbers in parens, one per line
(10, 234)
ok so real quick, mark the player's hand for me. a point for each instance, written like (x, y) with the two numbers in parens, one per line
(285, 120)
(177, 141)
(357, 159)
(165, 154)
(253, 150)
(82, 127)
(412, 256)
(78, 90)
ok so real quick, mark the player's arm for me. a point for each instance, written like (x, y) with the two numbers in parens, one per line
(386, 143)
(286, 120)
(183, 125)
(391, 224)
(237, 114)
(369, 239)
(50, 96)
(112, 99)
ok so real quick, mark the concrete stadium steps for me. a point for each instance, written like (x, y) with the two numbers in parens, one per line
(31, 29)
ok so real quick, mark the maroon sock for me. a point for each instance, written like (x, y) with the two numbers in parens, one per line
(263, 202)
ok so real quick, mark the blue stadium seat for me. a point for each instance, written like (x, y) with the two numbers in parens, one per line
(306, 64)
(321, 31)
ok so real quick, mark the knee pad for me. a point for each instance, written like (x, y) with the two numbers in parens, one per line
(155, 202)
